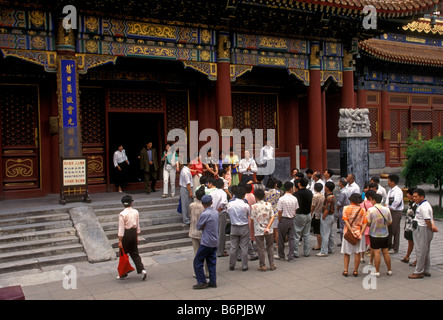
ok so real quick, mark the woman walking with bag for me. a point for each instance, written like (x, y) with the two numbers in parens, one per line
(128, 230)
(355, 224)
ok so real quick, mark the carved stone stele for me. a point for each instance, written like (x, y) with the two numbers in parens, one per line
(354, 123)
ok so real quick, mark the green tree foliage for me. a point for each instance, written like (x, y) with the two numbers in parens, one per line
(425, 162)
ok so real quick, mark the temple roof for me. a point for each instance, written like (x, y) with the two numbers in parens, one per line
(407, 53)
(423, 26)
(384, 7)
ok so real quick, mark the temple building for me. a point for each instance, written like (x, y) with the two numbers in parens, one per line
(127, 72)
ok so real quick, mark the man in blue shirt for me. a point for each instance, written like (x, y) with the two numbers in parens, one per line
(208, 223)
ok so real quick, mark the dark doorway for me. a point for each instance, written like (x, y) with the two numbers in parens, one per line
(134, 131)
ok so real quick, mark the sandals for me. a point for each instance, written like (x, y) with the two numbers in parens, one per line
(355, 273)
(405, 260)
(345, 273)
(262, 268)
(273, 267)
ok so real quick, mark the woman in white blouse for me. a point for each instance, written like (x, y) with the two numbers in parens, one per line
(121, 164)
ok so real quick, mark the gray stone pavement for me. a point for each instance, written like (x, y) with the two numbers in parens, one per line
(170, 274)
(170, 277)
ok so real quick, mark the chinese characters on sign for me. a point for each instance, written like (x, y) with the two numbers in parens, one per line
(74, 172)
(69, 93)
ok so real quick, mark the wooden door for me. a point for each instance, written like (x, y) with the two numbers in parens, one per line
(255, 111)
(399, 134)
(19, 119)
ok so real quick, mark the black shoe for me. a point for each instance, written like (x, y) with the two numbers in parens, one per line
(200, 286)
(231, 268)
(245, 269)
(212, 285)
(254, 258)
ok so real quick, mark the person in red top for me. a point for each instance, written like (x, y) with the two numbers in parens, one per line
(196, 168)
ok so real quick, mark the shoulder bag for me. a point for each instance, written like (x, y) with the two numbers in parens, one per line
(349, 236)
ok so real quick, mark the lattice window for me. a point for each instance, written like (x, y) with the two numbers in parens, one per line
(239, 108)
(136, 100)
(373, 118)
(92, 110)
(177, 110)
(437, 122)
(399, 100)
(394, 126)
(404, 125)
(255, 111)
(372, 98)
(421, 116)
(19, 111)
(419, 100)
(437, 101)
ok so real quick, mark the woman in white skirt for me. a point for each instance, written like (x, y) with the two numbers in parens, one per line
(355, 220)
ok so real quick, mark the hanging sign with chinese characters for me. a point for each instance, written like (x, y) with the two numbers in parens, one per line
(68, 104)
(69, 93)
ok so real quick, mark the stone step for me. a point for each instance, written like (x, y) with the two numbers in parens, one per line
(142, 215)
(154, 229)
(35, 244)
(36, 263)
(156, 237)
(35, 227)
(37, 235)
(141, 209)
(145, 222)
(29, 213)
(39, 253)
(34, 219)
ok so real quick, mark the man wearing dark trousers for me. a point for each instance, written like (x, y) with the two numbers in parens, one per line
(208, 223)
(149, 166)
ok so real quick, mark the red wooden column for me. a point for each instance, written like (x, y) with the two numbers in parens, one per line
(223, 100)
(323, 124)
(347, 91)
(315, 127)
(385, 120)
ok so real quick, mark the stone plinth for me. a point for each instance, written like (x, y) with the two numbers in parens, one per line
(354, 133)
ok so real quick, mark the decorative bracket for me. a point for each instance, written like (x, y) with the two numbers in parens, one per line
(237, 70)
(87, 61)
(337, 76)
(47, 59)
(301, 74)
(207, 68)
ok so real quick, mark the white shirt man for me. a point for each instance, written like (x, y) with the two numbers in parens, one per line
(247, 167)
(266, 154)
(395, 199)
(352, 186)
(382, 191)
(219, 200)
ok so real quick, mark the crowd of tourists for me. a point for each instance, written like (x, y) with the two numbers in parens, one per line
(269, 220)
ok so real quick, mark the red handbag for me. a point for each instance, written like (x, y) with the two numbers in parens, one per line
(124, 266)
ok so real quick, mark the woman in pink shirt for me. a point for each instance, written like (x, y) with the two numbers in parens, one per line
(128, 230)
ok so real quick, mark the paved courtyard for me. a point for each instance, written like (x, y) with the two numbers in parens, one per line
(170, 277)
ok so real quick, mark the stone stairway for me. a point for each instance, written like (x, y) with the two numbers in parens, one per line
(33, 239)
(161, 226)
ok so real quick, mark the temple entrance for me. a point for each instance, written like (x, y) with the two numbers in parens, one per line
(134, 131)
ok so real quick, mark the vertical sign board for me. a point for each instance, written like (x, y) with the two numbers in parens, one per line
(73, 166)
(74, 184)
